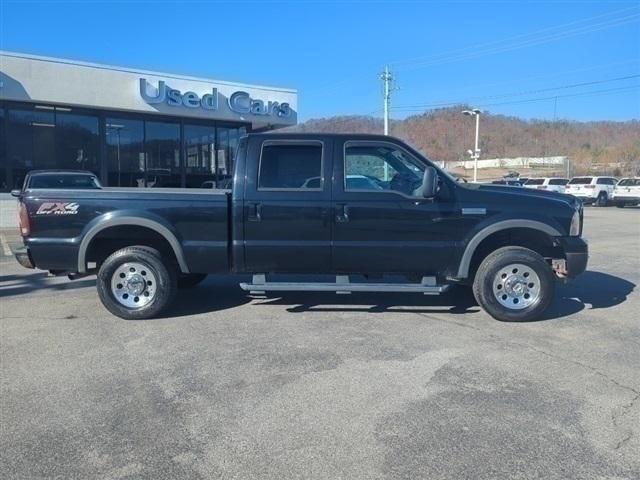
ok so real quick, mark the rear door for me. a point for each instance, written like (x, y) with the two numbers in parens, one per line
(287, 206)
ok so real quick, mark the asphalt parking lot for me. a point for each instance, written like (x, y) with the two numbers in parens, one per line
(322, 386)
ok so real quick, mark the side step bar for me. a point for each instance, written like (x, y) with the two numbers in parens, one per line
(427, 286)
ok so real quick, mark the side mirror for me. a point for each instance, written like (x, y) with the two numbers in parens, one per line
(429, 186)
(16, 193)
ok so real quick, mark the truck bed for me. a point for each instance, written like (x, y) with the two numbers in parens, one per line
(62, 222)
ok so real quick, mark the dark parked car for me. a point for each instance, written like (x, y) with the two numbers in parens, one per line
(510, 183)
(59, 179)
(292, 209)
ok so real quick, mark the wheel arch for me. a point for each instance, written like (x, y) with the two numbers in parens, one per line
(101, 224)
(476, 240)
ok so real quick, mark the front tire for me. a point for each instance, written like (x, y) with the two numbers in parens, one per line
(135, 283)
(514, 284)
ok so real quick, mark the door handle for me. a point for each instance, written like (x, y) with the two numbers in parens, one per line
(343, 213)
(255, 212)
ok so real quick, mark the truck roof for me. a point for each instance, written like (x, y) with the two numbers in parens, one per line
(318, 135)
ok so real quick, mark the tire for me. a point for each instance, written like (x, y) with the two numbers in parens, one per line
(190, 280)
(136, 283)
(602, 199)
(514, 284)
(620, 204)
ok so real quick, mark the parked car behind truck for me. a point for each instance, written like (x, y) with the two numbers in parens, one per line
(552, 184)
(408, 218)
(627, 192)
(592, 190)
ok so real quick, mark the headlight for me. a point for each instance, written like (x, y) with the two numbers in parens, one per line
(574, 229)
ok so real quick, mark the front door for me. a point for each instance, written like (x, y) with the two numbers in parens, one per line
(287, 222)
(380, 225)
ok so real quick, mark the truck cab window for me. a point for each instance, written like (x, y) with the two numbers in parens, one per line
(291, 166)
(379, 168)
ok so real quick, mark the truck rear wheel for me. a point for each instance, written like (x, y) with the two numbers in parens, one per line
(514, 284)
(135, 283)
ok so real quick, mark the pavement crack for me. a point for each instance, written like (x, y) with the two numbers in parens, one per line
(615, 416)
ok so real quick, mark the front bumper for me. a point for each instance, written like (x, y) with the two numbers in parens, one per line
(576, 254)
(24, 257)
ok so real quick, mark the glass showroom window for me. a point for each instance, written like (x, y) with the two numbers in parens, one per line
(77, 142)
(4, 166)
(199, 142)
(125, 152)
(32, 145)
(226, 150)
(162, 147)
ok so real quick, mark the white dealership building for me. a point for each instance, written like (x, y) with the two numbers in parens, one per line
(131, 127)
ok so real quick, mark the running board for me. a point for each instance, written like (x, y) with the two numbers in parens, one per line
(427, 286)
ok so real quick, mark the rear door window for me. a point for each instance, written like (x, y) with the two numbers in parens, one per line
(535, 181)
(558, 181)
(580, 181)
(629, 182)
(296, 166)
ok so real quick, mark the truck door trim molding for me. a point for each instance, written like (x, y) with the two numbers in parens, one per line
(465, 261)
(133, 221)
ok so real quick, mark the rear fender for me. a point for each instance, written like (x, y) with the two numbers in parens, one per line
(138, 219)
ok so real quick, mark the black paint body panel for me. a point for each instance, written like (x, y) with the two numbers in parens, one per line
(252, 230)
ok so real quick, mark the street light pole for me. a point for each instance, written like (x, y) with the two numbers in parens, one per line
(475, 155)
(476, 150)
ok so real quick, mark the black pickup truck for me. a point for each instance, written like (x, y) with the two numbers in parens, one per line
(361, 207)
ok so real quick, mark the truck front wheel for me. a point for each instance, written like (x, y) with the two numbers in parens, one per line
(135, 283)
(514, 284)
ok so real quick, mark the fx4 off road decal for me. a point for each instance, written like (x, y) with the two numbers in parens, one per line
(58, 208)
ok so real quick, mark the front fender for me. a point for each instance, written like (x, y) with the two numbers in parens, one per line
(484, 229)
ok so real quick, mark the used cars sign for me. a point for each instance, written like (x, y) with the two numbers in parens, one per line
(239, 102)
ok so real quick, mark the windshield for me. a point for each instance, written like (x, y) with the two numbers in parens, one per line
(580, 181)
(629, 182)
(535, 181)
(64, 180)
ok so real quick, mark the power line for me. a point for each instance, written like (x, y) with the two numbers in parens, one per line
(495, 42)
(529, 100)
(500, 46)
(556, 74)
(530, 92)
(455, 55)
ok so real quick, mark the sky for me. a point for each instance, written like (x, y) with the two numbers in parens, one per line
(568, 59)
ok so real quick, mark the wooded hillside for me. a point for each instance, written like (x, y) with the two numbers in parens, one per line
(446, 135)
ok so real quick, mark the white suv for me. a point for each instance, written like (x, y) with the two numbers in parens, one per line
(596, 190)
(627, 192)
(549, 184)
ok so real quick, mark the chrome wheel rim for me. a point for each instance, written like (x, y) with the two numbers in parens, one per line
(133, 285)
(516, 286)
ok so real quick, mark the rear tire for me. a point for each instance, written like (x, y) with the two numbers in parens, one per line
(136, 283)
(514, 284)
(602, 199)
(190, 280)
(620, 204)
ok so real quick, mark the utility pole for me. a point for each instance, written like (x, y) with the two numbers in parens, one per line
(475, 155)
(387, 79)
